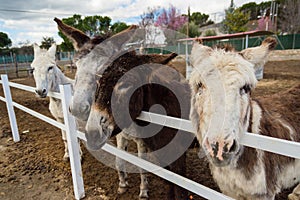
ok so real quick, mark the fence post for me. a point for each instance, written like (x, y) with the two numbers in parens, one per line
(73, 146)
(188, 69)
(10, 108)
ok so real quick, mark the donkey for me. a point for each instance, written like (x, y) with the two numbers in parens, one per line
(222, 110)
(129, 85)
(93, 59)
(48, 77)
(92, 54)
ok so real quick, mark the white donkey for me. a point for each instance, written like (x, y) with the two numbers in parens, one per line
(222, 110)
(48, 77)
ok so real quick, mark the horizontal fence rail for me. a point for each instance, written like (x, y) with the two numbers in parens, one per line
(274, 145)
(37, 115)
(148, 166)
(31, 89)
(163, 173)
(166, 174)
(266, 143)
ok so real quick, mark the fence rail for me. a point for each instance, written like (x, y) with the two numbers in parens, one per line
(275, 145)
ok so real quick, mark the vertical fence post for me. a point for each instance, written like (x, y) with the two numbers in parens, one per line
(10, 108)
(72, 140)
(188, 69)
(247, 41)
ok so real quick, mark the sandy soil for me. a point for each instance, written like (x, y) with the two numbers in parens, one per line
(33, 168)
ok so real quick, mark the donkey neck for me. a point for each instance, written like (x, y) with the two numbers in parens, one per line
(58, 78)
(268, 123)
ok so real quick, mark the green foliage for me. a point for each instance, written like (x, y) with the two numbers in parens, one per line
(251, 7)
(90, 25)
(235, 21)
(210, 32)
(200, 19)
(193, 30)
(95, 25)
(4, 40)
(289, 20)
(118, 27)
(47, 42)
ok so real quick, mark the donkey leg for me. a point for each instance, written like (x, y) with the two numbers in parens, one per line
(296, 193)
(64, 138)
(80, 151)
(178, 167)
(122, 143)
(141, 147)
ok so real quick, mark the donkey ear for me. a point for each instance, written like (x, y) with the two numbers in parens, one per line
(199, 53)
(77, 37)
(36, 49)
(122, 37)
(259, 55)
(52, 51)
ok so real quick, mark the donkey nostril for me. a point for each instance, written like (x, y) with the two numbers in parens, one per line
(215, 148)
(86, 108)
(44, 91)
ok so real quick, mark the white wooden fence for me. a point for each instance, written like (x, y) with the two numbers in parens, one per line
(275, 145)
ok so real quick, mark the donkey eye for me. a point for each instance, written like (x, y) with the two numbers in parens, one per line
(50, 68)
(245, 89)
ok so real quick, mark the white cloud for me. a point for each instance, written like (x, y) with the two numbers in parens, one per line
(38, 22)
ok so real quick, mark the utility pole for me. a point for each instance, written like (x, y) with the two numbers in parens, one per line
(188, 22)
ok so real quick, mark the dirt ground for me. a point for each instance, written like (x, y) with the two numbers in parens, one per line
(33, 168)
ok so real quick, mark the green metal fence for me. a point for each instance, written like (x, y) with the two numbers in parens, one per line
(19, 58)
(291, 41)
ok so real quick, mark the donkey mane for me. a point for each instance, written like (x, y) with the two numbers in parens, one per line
(226, 47)
(116, 69)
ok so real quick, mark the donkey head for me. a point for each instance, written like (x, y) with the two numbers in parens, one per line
(43, 67)
(119, 98)
(221, 83)
(91, 56)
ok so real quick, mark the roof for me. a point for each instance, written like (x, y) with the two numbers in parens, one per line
(227, 36)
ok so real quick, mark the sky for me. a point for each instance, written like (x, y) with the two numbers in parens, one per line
(28, 21)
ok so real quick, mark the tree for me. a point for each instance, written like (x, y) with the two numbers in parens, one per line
(90, 25)
(231, 7)
(148, 18)
(251, 7)
(5, 41)
(152, 33)
(171, 19)
(210, 32)
(193, 30)
(95, 25)
(47, 42)
(290, 16)
(200, 19)
(235, 21)
(118, 27)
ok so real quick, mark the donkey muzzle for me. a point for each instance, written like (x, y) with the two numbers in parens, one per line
(81, 110)
(221, 152)
(41, 93)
